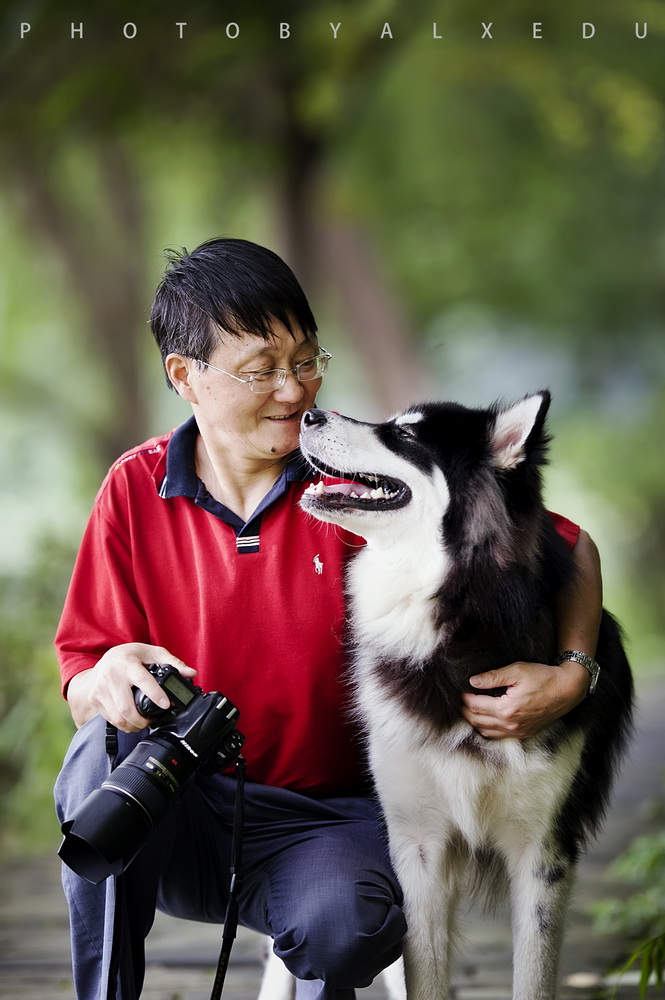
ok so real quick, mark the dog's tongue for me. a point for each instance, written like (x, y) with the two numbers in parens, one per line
(335, 486)
(343, 486)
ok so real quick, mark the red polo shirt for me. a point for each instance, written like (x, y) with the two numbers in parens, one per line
(256, 608)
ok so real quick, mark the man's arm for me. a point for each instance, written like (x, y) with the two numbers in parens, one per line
(537, 693)
(102, 612)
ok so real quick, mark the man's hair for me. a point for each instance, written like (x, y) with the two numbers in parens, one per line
(225, 286)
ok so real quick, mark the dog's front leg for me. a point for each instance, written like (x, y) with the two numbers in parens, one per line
(430, 873)
(540, 884)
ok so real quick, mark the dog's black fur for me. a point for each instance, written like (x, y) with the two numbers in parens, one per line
(518, 576)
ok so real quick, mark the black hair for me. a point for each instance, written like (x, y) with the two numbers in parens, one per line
(225, 286)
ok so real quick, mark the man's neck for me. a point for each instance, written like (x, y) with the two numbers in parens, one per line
(238, 482)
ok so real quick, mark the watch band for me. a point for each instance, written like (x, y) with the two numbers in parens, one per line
(586, 661)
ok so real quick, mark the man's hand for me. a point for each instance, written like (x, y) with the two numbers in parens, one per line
(536, 695)
(106, 689)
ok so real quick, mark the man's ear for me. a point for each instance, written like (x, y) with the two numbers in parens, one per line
(178, 369)
(516, 427)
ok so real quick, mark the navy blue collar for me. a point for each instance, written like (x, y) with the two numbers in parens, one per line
(181, 479)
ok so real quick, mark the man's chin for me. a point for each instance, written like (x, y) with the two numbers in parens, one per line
(282, 447)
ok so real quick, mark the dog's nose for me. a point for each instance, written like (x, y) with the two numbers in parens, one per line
(314, 416)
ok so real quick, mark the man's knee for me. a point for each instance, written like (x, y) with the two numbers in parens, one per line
(345, 939)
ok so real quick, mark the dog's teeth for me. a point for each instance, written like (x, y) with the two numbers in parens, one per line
(316, 489)
(380, 492)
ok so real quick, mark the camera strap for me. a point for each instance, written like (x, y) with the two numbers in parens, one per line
(111, 740)
(231, 916)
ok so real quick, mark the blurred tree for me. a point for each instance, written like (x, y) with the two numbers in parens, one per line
(495, 171)
(102, 96)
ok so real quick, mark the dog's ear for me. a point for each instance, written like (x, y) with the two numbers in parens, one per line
(517, 429)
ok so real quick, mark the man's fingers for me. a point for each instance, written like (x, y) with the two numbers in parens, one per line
(485, 704)
(159, 654)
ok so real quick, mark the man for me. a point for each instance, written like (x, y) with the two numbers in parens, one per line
(197, 554)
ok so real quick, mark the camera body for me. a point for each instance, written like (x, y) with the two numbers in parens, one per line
(180, 690)
(191, 721)
(197, 733)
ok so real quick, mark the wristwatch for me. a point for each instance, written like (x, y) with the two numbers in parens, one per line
(587, 662)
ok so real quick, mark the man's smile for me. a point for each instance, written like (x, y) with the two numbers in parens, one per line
(286, 416)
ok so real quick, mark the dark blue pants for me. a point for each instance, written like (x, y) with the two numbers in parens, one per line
(317, 879)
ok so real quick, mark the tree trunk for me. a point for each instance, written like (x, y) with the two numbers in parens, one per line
(105, 268)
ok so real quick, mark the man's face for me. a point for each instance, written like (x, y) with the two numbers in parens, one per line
(254, 425)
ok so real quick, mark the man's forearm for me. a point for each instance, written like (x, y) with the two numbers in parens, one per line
(579, 610)
(78, 697)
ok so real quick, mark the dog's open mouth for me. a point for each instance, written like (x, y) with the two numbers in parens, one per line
(358, 490)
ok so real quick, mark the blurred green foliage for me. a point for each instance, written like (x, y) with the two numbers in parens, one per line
(639, 915)
(642, 914)
(35, 724)
(470, 218)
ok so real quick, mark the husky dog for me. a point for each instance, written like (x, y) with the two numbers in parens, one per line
(460, 575)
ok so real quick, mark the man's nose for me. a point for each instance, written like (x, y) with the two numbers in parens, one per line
(292, 389)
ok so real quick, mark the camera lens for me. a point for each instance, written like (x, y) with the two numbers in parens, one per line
(111, 826)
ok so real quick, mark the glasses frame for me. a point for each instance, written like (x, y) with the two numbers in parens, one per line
(283, 372)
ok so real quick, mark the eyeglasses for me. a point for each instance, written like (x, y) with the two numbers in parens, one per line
(274, 378)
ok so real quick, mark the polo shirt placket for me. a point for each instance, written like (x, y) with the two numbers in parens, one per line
(181, 480)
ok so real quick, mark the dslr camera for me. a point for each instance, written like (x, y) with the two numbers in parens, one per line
(197, 733)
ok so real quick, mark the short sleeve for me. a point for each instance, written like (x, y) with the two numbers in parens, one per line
(569, 531)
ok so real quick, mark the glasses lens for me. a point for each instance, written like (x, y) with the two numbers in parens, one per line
(312, 368)
(267, 381)
(306, 371)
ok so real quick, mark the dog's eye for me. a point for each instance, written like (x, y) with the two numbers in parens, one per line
(405, 430)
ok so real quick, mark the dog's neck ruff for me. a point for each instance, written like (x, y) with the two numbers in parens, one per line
(393, 584)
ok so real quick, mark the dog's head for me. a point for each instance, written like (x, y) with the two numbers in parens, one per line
(472, 470)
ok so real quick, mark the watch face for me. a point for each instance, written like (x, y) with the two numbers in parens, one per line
(587, 662)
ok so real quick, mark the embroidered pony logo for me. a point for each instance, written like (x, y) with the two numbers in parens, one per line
(318, 565)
